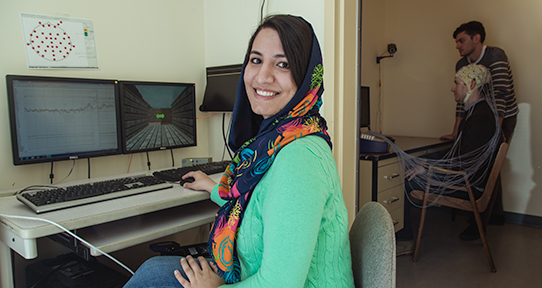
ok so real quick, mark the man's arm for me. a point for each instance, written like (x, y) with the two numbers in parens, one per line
(454, 133)
(501, 76)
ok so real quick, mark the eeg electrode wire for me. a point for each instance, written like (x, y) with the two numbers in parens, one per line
(72, 234)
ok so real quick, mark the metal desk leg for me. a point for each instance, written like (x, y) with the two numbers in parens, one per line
(6, 272)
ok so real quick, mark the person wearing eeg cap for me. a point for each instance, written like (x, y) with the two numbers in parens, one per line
(469, 38)
(473, 151)
(283, 221)
(473, 77)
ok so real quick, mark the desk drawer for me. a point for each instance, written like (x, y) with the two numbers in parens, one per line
(392, 198)
(389, 176)
(397, 218)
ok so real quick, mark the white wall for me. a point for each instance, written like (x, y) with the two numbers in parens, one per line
(159, 40)
(228, 27)
(416, 82)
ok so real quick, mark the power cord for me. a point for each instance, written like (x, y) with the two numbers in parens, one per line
(70, 173)
(72, 234)
(261, 10)
(35, 187)
(148, 160)
(51, 175)
(224, 136)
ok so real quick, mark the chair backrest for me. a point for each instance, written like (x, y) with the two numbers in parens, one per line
(372, 242)
(483, 201)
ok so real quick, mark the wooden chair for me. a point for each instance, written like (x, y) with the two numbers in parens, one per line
(475, 205)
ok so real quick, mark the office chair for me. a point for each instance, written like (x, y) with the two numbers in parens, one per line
(372, 242)
(476, 206)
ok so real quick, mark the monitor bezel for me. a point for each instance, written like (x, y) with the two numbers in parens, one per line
(122, 83)
(220, 97)
(69, 156)
(365, 107)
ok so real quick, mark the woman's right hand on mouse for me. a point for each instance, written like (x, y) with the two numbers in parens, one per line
(202, 182)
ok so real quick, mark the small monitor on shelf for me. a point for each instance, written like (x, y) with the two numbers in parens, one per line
(53, 119)
(221, 88)
(157, 115)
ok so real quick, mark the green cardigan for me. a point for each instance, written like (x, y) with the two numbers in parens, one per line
(295, 229)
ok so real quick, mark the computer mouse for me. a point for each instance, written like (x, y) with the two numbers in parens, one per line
(189, 180)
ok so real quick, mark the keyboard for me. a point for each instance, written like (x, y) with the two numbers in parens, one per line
(174, 175)
(65, 197)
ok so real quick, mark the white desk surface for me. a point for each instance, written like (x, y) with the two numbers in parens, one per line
(113, 224)
(409, 144)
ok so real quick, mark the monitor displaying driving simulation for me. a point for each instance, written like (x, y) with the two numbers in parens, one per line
(54, 119)
(157, 115)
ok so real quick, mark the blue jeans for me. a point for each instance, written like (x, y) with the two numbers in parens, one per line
(157, 272)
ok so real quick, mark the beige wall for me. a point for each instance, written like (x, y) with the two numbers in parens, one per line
(373, 44)
(136, 40)
(342, 76)
(416, 98)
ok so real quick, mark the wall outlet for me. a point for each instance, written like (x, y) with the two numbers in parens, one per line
(194, 161)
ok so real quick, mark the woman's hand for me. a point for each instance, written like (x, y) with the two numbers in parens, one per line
(411, 173)
(202, 182)
(198, 277)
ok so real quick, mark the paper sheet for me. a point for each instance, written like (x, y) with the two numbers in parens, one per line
(56, 42)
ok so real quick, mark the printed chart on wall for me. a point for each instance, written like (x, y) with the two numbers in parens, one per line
(56, 42)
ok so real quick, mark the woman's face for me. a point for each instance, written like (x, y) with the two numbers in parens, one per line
(268, 79)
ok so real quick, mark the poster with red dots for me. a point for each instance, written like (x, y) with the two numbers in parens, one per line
(56, 42)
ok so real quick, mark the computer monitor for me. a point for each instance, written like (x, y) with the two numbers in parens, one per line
(221, 88)
(53, 119)
(364, 108)
(157, 115)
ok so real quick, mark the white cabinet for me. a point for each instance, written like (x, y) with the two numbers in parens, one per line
(380, 176)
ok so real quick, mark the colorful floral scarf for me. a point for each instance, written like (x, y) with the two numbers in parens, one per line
(299, 118)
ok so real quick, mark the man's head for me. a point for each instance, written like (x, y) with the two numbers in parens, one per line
(468, 82)
(469, 37)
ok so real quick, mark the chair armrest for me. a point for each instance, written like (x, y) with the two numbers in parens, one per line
(461, 174)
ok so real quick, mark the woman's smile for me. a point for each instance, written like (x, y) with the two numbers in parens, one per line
(268, 79)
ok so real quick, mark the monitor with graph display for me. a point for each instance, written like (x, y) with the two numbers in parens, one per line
(157, 115)
(53, 119)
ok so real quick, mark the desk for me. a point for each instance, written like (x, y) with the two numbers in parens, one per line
(380, 175)
(110, 226)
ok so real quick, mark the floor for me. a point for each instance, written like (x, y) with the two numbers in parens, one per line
(446, 261)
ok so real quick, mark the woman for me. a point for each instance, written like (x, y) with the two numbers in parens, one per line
(282, 221)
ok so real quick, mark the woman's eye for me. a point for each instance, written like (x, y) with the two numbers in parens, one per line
(283, 65)
(255, 61)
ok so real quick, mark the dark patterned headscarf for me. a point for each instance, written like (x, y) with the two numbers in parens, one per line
(257, 142)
